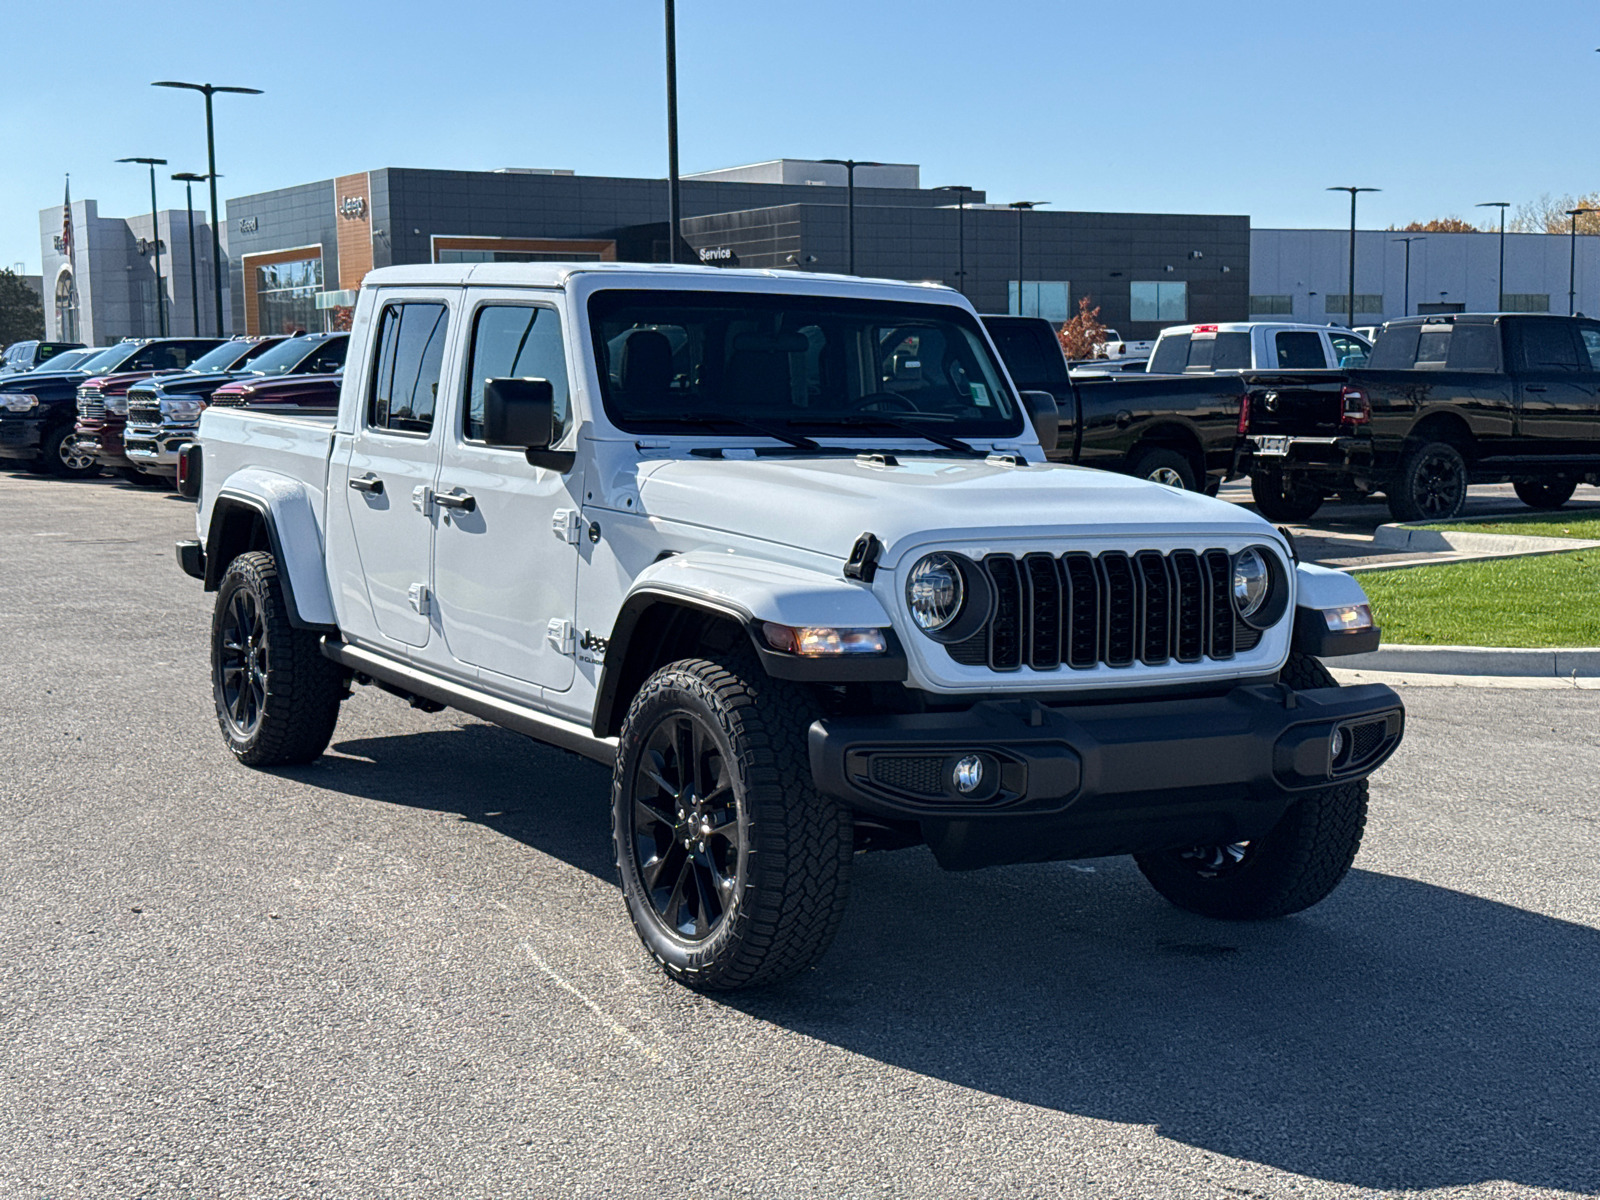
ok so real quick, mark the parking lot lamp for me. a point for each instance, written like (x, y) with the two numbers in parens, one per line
(1408, 240)
(209, 90)
(1022, 206)
(155, 238)
(850, 165)
(1502, 205)
(674, 210)
(1350, 300)
(961, 190)
(189, 179)
(1572, 260)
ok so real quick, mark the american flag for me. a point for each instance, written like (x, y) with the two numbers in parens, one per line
(66, 223)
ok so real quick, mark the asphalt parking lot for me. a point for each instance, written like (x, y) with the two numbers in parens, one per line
(405, 970)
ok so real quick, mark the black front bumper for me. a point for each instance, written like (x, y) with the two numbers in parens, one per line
(21, 437)
(1085, 780)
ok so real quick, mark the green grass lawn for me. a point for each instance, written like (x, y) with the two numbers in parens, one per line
(1545, 524)
(1544, 600)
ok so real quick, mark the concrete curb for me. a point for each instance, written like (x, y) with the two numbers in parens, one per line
(1476, 660)
(1408, 537)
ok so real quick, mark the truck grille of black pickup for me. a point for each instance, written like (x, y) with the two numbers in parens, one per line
(1112, 609)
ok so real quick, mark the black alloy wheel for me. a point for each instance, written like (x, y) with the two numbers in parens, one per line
(1546, 496)
(1432, 485)
(1288, 498)
(686, 826)
(241, 680)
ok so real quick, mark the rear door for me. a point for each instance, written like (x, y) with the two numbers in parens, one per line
(506, 568)
(394, 460)
(1555, 386)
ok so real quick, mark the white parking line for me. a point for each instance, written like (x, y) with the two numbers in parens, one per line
(606, 1018)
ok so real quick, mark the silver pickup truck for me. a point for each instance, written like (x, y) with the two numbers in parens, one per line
(786, 553)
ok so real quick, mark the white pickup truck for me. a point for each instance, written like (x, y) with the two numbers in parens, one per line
(1256, 346)
(784, 550)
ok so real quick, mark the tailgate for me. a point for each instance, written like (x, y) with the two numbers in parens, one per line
(1298, 403)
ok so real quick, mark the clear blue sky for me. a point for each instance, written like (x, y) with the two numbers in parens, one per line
(1220, 107)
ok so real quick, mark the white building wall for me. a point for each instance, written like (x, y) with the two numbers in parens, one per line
(1450, 268)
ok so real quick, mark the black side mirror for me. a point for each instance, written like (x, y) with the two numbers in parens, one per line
(522, 412)
(1045, 416)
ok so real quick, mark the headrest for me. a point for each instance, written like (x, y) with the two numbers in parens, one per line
(646, 360)
(771, 343)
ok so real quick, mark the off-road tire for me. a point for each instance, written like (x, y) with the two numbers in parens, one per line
(1290, 500)
(1545, 496)
(53, 456)
(1164, 466)
(300, 689)
(788, 894)
(1430, 483)
(1299, 863)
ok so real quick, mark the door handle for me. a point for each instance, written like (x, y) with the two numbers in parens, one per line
(459, 500)
(1534, 387)
(371, 485)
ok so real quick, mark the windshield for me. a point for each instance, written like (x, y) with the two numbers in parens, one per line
(670, 358)
(66, 362)
(288, 355)
(110, 358)
(225, 357)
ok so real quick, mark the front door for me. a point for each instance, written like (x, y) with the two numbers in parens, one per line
(1556, 387)
(505, 561)
(394, 460)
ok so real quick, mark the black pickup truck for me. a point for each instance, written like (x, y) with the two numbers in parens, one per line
(1446, 401)
(1179, 430)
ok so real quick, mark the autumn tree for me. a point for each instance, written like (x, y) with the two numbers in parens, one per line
(1438, 225)
(21, 314)
(1548, 214)
(1081, 336)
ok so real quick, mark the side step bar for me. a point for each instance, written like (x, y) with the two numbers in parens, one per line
(518, 718)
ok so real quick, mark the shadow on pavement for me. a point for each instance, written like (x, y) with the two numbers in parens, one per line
(1401, 1035)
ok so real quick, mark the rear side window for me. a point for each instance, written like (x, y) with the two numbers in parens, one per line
(1548, 346)
(1171, 356)
(515, 342)
(1591, 345)
(1433, 347)
(1231, 353)
(1300, 351)
(405, 381)
(1348, 351)
(1021, 355)
(1474, 348)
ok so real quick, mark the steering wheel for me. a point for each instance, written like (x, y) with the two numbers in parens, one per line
(889, 402)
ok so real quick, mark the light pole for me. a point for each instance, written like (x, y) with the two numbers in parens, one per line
(961, 190)
(209, 90)
(1572, 261)
(674, 212)
(155, 236)
(1408, 240)
(189, 179)
(850, 165)
(1350, 300)
(1502, 205)
(1022, 206)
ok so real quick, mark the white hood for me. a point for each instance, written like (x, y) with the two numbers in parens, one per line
(824, 504)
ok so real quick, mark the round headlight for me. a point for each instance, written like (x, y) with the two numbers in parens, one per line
(1251, 581)
(934, 592)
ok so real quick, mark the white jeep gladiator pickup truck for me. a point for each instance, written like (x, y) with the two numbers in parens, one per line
(785, 551)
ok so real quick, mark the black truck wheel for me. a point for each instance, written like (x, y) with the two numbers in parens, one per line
(1547, 496)
(1431, 483)
(277, 696)
(1285, 498)
(1298, 863)
(1164, 466)
(60, 455)
(735, 871)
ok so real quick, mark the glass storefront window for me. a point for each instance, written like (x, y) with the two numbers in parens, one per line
(286, 295)
(1049, 298)
(1158, 302)
(517, 256)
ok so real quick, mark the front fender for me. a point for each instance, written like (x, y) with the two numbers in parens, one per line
(764, 591)
(290, 512)
(1319, 588)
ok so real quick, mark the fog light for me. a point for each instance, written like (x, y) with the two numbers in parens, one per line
(1336, 744)
(968, 774)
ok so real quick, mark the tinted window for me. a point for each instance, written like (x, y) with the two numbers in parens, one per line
(1548, 346)
(1474, 348)
(1171, 356)
(1396, 348)
(1433, 347)
(1300, 351)
(1349, 351)
(1030, 358)
(225, 356)
(405, 381)
(516, 342)
(1232, 352)
(327, 358)
(1591, 344)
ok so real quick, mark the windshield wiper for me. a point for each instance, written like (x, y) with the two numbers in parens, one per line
(796, 440)
(905, 422)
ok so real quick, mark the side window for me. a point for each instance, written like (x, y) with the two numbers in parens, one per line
(1300, 351)
(1349, 351)
(1591, 343)
(516, 341)
(1474, 348)
(1548, 346)
(405, 382)
(1232, 352)
(327, 358)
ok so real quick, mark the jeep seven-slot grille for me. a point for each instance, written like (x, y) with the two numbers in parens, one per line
(1117, 609)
